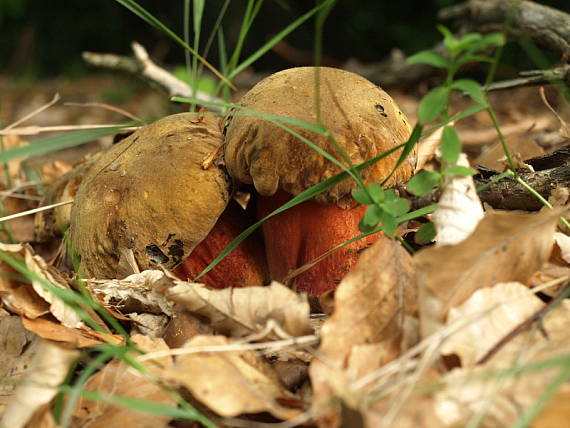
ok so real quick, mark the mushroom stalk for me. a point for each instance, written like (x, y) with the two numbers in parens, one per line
(301, 234)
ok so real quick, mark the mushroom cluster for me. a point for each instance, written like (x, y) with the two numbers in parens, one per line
(150, 200)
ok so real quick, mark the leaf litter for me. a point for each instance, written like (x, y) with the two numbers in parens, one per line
(385, 357)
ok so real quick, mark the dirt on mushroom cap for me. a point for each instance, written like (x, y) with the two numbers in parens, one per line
(363, 119)
(150, 195)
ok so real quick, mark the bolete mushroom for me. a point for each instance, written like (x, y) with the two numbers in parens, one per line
(148, 198)
(365, 122)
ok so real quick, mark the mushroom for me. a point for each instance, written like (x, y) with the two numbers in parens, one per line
(361, 117)
(149, 199)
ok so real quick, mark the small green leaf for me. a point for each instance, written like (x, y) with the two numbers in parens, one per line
(372, 215)
(396, 207)
(470, 58)
(389, 223)
(493, 39)
(433, 104)
(450, 145)
(468, 41)
(462, 171)
(425, 234)
(423, 182)
(361, 196)
(376, 192)
(429, 57)
(449, 39)
(472, 88)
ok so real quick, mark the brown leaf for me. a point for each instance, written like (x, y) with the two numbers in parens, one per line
(230, 383)
(500, 398)
(135, 293)
(505, 246)
(17, 347)
(117, 379)
(18, 296)
(242, 311)
(79, 338)
(365, 330)
(26, 299)
(48, 369)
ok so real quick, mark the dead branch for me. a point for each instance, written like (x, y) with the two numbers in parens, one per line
(535, 78)
(141, 65)
(553, 172)
(547, 27)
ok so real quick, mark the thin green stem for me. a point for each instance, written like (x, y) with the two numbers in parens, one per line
(540, 198)
(495, 121)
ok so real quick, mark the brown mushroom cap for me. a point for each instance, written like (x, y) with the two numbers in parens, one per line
(150, 194)
(363, 119)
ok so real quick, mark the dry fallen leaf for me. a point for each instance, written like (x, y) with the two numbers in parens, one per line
(135, 293)
(117, 379)
(459, 209)
(230, 383)
(488, 390)
(26, 301)
(17, 347)
(49, 329)
(492, 312)
(563, 243)
(242, 311)
(506, 246)
(365, 329)
(47, 370)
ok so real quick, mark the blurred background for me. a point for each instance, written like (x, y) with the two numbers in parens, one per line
(46, 38)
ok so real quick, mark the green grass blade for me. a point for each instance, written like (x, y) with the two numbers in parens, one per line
(150, 19)
(408, 147)
(144, 406)
(276, 39)
(544, 398)
(50, 144)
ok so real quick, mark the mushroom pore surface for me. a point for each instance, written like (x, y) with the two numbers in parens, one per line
(150, 195)
(361, 117)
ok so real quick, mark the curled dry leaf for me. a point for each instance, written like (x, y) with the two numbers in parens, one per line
(118, 380)
(489, 391)
(459, 209)
(365, 330)
(242, 311)
(17, 348)
(47, 370)
(49, 329)
(27, 299)
(493, 313)
(505, 246)
(135, 293)
(230, 383)
(563, 243)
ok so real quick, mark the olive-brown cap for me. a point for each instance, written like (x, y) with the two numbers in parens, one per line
(150, 194)
(361, 117)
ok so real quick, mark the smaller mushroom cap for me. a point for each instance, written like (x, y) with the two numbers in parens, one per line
(150, 195)
(362, 118)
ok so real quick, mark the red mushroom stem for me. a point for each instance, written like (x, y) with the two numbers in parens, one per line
(306, 231)
(243, 266)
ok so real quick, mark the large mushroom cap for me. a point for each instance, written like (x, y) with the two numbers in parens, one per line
(363, 119)
(150, 194)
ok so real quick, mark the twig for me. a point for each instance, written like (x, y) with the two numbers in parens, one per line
(295, 341)
(142, 65)
(534, 78)
(34, 130)
(525, 325)
(54, 100)
(107, 107)
(35, 210)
